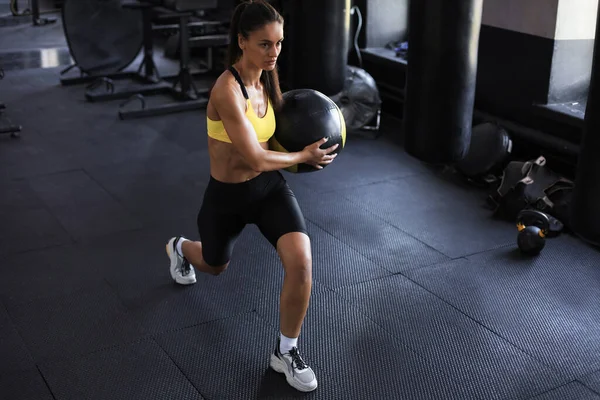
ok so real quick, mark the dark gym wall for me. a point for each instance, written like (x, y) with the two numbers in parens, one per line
(535, 52)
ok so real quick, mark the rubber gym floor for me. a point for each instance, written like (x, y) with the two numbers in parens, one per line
(418, 292)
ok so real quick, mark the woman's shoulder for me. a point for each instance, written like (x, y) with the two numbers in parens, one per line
(226, 85)
(226, 91)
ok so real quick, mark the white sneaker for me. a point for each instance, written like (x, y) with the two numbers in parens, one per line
(181, 270)
(297, 373)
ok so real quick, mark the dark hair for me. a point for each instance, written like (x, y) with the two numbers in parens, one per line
(247, 17)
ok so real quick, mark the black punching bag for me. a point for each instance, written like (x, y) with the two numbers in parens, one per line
(585, 207)
(441, 78)
(318, 44)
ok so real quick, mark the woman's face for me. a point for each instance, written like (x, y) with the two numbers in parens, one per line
(262, 47)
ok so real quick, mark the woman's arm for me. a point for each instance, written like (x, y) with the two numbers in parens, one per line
(232, 111)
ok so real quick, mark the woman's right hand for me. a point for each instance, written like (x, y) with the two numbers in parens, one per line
(318, 157)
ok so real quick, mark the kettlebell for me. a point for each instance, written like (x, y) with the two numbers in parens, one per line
(533, 229)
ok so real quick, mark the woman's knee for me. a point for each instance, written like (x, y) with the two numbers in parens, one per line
(300, 272)
(295, 252)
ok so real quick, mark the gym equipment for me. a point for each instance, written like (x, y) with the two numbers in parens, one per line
(318, 44)
(181, 86)
(359, 101)
(184, 5)
(585, 213)
(12, 130)
(530, 184)
(489, 150)
(36, 15)
(533, 228)
(306, 117)
(188, 96)
(104, 37)
(35, 12)
(441, 78)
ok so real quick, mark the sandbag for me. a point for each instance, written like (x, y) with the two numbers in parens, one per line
(532, 185)
(441, 78)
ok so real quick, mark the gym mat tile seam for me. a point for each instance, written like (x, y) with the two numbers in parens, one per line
(498, 335)
(375, 216)
(561, 386)
(210, 321)
(491, 250)
(363, 185)
(16, 330)
(349, 198)
(44, 206)
(116, 199)
(400, 342)
(116, 293)
(588, 387)
(37, 367)
(581, 380)
(489, 329)
(181, 371)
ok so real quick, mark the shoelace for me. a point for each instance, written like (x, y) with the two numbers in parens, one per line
(297, 360)
(185, 267)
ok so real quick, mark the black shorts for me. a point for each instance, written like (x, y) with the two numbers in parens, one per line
(266, 201)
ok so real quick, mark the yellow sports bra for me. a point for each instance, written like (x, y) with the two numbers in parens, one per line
(264, 127)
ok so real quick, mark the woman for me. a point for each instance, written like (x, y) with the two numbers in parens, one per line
(245, 184)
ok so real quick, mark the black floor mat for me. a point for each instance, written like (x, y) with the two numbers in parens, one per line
(336, 264)
(80, 323)
(82, 206)
(229, 358)
(486, 365)
(570, 391)
(546, 306)
(14, 355)
(447, 216)
(138, 370)
(53, 272)
(356, 169)
(592, 381)
(366, 233)
(365, 360)
(24, 230)
(157, 189)
(24, 385)
(43, 159)
(213, 349)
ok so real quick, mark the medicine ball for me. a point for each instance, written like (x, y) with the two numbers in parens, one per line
(306, 117)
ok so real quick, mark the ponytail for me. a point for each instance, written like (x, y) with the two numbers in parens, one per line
(233, 50)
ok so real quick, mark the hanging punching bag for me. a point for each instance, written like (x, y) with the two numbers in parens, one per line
(318, 44)
(441, 78)
(585, 208)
